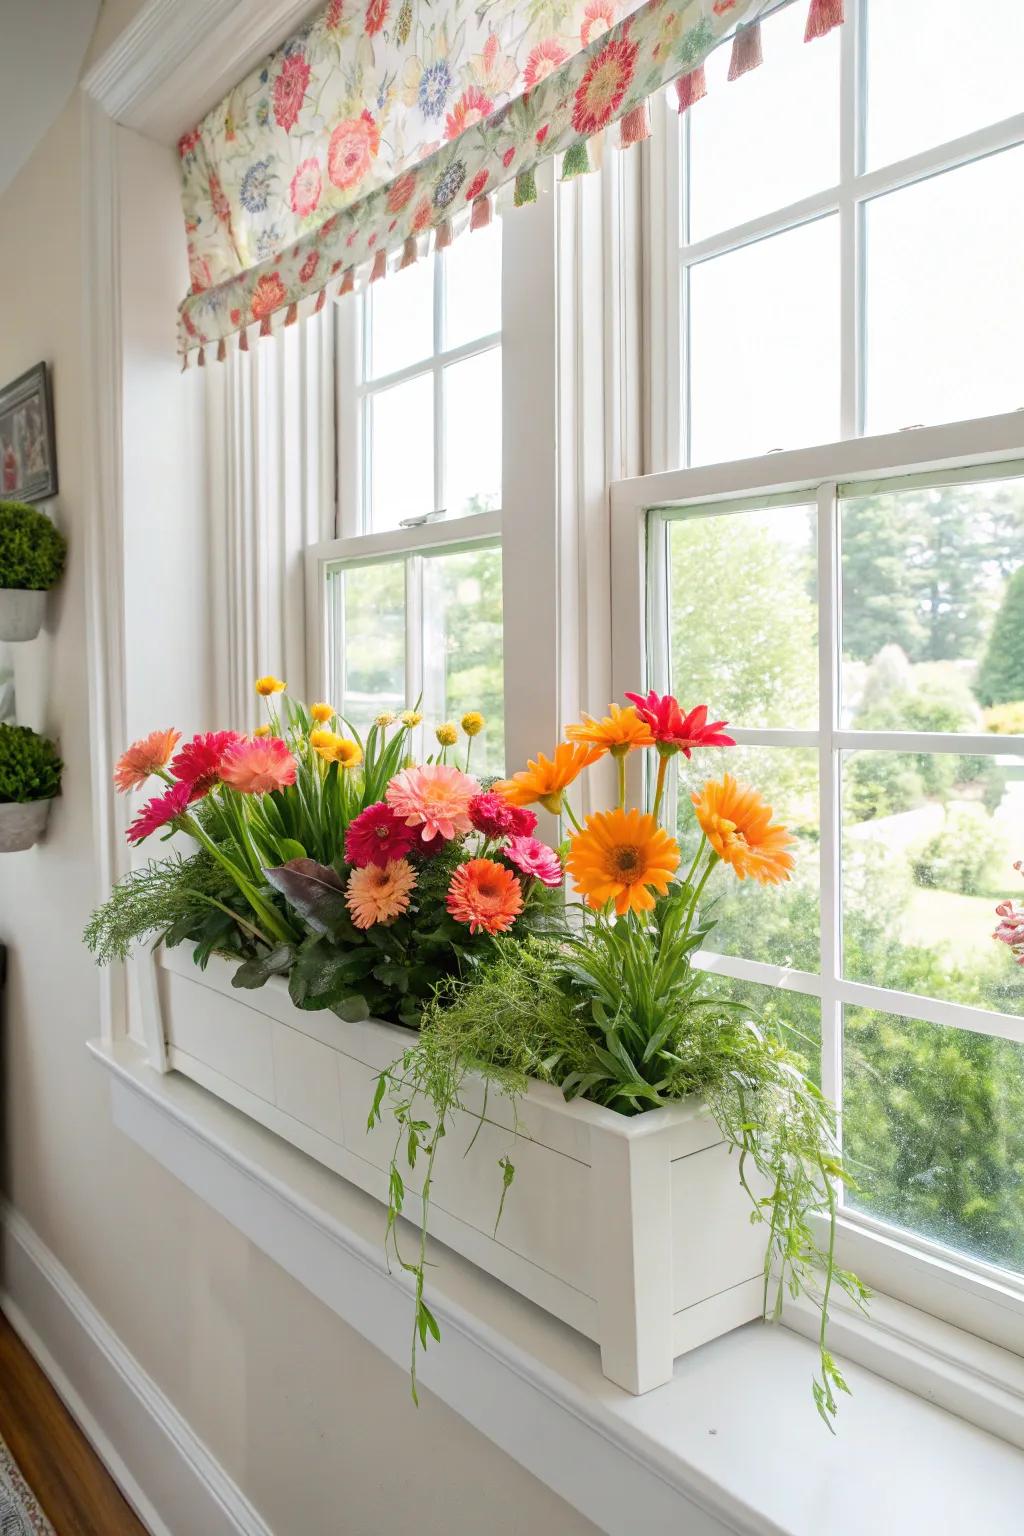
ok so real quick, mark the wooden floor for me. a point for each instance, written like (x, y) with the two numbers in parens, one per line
(72, 1485)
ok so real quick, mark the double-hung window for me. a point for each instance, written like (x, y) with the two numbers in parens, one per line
(837, 262)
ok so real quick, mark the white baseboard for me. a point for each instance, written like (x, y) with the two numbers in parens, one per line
(164, 1470)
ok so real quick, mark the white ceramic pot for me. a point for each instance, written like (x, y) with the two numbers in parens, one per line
(634, 1231)
(21, 613)
(21, 825)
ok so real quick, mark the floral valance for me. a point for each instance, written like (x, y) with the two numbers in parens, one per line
(385, 123)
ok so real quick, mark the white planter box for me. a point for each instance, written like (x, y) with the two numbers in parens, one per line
(634, 1231)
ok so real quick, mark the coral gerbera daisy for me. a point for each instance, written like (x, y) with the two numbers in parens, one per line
(159, 812)
(621, 731)
(143, 758)
(485, 895)
(257, 767)
(377, 836)
(380, 893)
(198, 762)
(738, 825)
(544, 780)
(435, 797)
(622, 856)
(675, 732)
(534, 858)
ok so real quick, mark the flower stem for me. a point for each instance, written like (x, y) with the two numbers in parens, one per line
(659, 791)
(620, 764)
(567, 808)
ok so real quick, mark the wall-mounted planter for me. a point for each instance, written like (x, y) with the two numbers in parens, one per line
(22, 824)
(21, 613)
(635, 1232)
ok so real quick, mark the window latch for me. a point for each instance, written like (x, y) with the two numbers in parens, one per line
(426, 517)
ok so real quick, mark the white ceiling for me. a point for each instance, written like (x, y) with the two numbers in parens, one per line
(42, 46)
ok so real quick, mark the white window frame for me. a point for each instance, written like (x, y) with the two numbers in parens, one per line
(671, 257)
(970, 1293)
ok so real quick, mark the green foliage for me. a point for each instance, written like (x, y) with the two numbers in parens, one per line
(963, 856)
(1001, 674)
(30, 768)
(32, 548)
(178, 900)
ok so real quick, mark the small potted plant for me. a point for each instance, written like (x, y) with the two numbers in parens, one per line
(32, 553)
(30, 770)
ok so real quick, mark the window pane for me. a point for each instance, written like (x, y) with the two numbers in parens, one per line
(366, 638)
(914, 45)
(743, 616)
(764, 346)
(796, 1017)
(933, 608)
(945, 296)
(750, 149)
(401, 319)
(402, 452)
(462, 650)
(472, 431)
(929, 843)
(472, 286)
(776, 924)
(933, 1132)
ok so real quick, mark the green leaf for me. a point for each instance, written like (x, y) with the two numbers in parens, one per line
(257, 971)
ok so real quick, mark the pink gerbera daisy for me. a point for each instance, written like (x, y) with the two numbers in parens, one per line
(380, 893)
(159, 812)
(143, 758)
(377, 836)
(435, 797)
(198, 762)
(534, 858)
(257, 767)
(485, 895)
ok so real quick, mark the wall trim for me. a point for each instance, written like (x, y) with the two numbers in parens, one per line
(164, 1470)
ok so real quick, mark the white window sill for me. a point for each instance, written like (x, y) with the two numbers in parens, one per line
(732, 1444)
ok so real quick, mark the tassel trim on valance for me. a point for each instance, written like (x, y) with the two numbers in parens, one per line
(614, 57)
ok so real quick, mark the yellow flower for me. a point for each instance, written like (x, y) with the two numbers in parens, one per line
(262, 730)
(447, 735)
(348, 753)
(410, 718)
(473, 723)
(386, 719)
(321, 713)
(618, 733)
(543, 781)
(336, 749)
(265, 686)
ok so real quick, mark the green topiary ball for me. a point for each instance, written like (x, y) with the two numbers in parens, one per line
(30, 768)
(32, 548)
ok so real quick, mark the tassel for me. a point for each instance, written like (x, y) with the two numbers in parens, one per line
(380, 267)
(635, 126)
(293, 313)
(443, 235)
(526, 188)
(243, 340)
(321, 300)
(201, 359)
(575, 161)
(265, 326)
(184, 362)
(822, 17)
(690, 88)
(410, 253)
(481, 214)
(348, 282)
(222, 350)
(746, 50)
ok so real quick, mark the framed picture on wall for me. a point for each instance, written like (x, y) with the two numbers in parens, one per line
(28, 448)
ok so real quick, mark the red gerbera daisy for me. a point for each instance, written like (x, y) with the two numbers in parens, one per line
(604, 85)
(377, 836)
(198, 762)
(290, 90)
(159, 812)
(675, 732)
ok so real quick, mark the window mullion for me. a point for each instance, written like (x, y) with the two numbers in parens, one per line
(851, 110)
(828, 789)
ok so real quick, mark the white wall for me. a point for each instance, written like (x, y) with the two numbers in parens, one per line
(313, 1424)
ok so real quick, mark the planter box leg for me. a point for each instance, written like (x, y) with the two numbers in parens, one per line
(631, 1194)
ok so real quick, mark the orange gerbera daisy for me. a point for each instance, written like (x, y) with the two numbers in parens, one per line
(143, 758)
(379, 893)
(485, 895)
(618, 733)
(544, 780)
(738, 825)
(622, 856)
